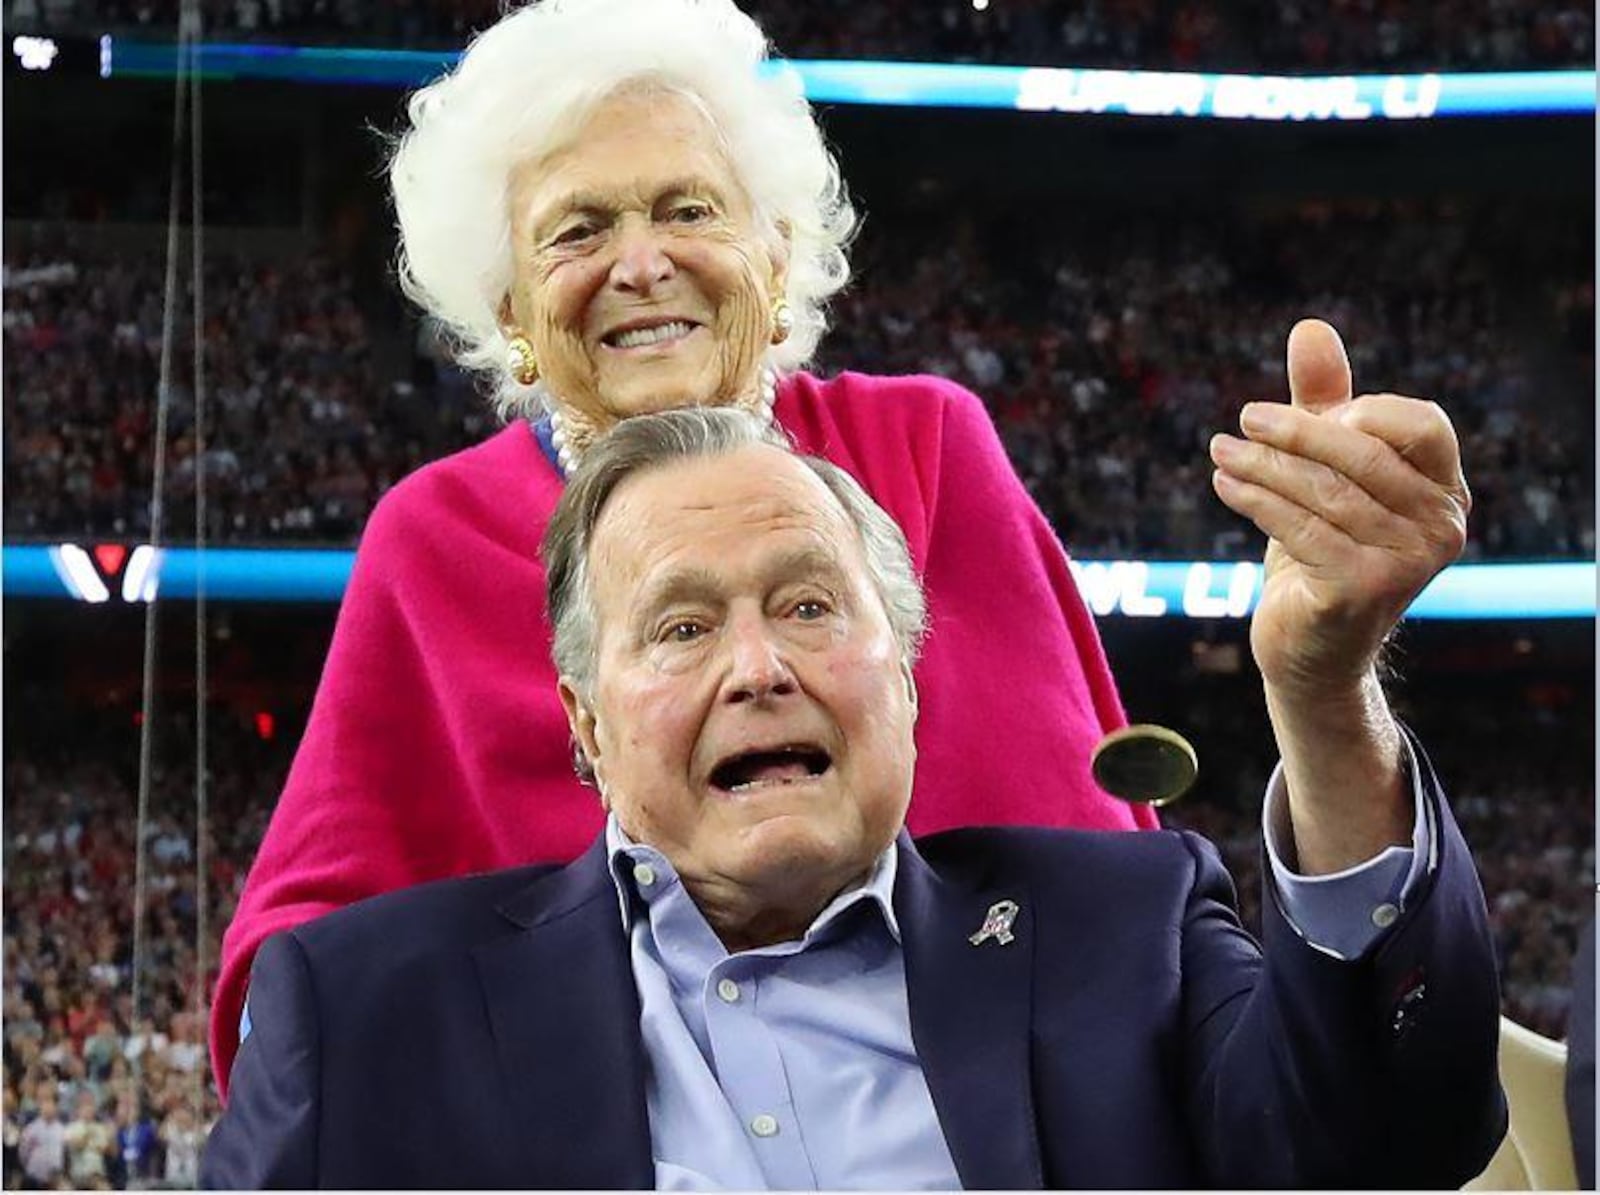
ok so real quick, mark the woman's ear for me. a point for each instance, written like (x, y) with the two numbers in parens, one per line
(778, 260)
(507, 318)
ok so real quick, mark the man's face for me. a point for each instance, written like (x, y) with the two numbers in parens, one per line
(750, 715)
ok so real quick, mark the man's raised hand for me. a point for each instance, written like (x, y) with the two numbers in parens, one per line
(1363, 502)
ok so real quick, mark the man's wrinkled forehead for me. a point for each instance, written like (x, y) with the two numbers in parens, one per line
(734, 501)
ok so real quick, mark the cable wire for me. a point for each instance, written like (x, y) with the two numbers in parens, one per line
(201, 639)
(157, 511)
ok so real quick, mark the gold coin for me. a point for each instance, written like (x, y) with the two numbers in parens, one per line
(1150, 765)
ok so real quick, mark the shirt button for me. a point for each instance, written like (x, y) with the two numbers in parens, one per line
(764, 1125)
(644, 875)
(1385, 915)
(728, 990)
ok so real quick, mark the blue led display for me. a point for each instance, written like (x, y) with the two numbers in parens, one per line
(939, 84)
(1132, 588)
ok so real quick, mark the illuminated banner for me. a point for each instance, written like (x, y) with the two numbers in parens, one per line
(958, 85)
(1159, 588)
(119, 574)
(1182, 94)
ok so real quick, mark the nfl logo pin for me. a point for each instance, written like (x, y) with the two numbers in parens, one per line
(997, 924)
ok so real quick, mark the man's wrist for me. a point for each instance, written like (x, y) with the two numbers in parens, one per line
(1342, 757)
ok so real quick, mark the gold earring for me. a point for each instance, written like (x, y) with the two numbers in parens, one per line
(521, 362)
(782, 321)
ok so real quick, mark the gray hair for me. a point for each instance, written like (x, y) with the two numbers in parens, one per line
(647, 442)
(521, 91)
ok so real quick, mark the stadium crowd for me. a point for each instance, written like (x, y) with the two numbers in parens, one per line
(1111, 357)
(96, 1096)
(1109, 351)
(97, 1093)
(1365, 35)
(300, 436)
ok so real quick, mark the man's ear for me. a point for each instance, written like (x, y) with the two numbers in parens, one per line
(581, 722)
(911, 687)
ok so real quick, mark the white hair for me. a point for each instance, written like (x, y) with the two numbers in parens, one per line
(522, 90)
(645, 442)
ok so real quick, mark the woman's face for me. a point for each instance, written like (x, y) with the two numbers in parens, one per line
(639, 276)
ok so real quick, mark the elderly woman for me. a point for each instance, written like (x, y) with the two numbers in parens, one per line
(618, 206)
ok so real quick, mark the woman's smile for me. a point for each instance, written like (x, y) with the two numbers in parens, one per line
(660, 336)
(643, 284)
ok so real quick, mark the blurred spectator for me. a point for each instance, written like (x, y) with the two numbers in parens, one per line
(42, 1147)
(137, 1144)
(183, 1139)
(11, 1136)
(90, 1144)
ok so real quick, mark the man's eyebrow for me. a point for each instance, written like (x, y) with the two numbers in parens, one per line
(680, 585)
(806, 562)
(696, 584)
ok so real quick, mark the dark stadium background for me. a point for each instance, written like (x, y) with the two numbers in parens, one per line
(1461, 251)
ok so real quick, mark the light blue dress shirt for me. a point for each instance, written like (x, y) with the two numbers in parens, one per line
(791, 1067)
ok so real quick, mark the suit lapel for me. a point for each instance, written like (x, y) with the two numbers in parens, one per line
(971, 1011)
(564, 1013)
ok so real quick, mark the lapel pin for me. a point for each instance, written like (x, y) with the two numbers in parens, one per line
(997, 924)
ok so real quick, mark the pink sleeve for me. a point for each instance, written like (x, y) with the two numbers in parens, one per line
(436, 744)
(1014, 672)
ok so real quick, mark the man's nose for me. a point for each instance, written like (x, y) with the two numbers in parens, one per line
(641, 261)
(757, 669)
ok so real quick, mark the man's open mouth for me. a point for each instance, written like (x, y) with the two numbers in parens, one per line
(769, 767)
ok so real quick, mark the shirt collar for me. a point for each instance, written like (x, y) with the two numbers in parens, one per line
(624, 855)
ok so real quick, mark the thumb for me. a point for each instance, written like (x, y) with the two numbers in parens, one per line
(1319, 370)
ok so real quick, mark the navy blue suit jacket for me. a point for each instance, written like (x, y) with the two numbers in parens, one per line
(484, 1032)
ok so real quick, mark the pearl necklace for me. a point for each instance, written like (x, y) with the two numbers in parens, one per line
(570, 456)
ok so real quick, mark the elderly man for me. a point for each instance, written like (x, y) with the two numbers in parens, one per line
(755, 980)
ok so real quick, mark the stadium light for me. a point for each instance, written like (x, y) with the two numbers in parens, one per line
(34, 53)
